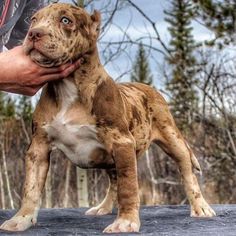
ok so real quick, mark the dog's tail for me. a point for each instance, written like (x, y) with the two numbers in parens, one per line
(194, 160)
(195, 163)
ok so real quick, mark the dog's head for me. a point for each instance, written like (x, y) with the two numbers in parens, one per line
(60, 33)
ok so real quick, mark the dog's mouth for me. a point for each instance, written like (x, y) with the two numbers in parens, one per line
(42, 57)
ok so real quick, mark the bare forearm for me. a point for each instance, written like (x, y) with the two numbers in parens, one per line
(18, 74)
(4, 68)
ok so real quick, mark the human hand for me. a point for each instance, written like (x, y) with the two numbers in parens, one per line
(19, 74)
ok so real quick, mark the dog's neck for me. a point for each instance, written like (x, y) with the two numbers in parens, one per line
(89, 69)
(88, 76)
(86, 80)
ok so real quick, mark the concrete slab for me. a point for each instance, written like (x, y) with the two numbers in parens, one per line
(158, 220)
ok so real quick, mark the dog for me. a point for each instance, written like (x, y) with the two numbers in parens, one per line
(96, 122)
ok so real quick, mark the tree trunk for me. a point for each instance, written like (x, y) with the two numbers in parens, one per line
(96, 199)
(82, 187)
(7, 176)
(80, 3)
(3, 204)
(67, 184)
(48, 189)
(153, 179)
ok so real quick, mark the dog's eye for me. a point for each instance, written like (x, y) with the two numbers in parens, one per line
(66, 21)
(33, 20)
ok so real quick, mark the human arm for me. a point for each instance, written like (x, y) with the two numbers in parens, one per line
(19, 74)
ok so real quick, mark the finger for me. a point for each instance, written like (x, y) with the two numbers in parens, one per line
(53, 70)
(67, 65)
(52, 77)
(28, 91)
(69, 70)
(63, 74)
(31, 91)
(79, 62)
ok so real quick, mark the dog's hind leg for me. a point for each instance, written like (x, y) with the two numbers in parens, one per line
(105, 207)
(171, 141)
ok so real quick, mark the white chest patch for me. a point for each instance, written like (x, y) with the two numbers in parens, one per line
(76, 141)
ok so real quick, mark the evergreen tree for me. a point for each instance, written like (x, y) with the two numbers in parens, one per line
(141, 71)
(9, 110)
(219, 16)
(2, 104)
(7, 106)
(25, 109)
(79, 3)
(182, 61)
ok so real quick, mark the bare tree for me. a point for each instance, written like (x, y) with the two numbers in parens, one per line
(82, 187)
(5, 171)
(3, 203)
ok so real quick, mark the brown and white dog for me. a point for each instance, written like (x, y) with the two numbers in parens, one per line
(96, 122)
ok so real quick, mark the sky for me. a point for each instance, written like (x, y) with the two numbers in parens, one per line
(136, 26)
(131, 20)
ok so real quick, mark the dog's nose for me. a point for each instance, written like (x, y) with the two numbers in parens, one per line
(36, 34)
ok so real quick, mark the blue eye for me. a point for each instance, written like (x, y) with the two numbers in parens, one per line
(65, 20)
(33, 20)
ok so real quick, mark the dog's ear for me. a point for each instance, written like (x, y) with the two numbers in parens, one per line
(96, 23)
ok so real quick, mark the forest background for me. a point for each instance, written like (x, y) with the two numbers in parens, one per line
(183, 48)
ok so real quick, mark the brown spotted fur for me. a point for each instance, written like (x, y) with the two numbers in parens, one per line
(128, 117)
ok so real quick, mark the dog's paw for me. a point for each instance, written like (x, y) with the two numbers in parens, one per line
(122, 226)
(99, 211)
(202, 209)
(18, 223)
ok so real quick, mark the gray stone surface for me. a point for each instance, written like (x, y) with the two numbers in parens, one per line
(159, 220)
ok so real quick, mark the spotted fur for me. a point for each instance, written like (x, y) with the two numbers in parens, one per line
(96, 123)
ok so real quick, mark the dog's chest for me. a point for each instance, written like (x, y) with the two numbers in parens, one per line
(72, 131)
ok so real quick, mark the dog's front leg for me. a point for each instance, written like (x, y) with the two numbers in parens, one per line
(128, 197)
(36, 164)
